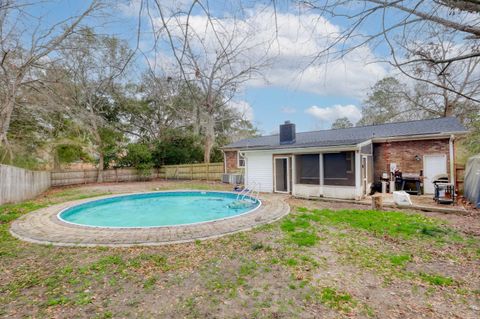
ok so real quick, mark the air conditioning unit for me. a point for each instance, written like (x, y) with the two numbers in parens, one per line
(232, 179)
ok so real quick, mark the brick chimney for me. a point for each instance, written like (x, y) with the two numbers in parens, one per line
(287, 133)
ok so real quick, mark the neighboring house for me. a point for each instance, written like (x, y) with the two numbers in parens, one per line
(343, 163)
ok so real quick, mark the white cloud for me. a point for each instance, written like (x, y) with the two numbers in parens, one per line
(243, 108)
(300, 38)
(288, 110)
(289, 49)
(330, 113)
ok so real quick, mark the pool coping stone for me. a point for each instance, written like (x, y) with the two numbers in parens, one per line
(44, 227)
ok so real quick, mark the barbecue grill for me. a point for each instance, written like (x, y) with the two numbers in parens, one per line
(444, 191)
(408, 179)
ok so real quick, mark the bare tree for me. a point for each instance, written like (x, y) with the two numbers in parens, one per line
(215, 55)
(26, 45)
(399, 25)
(446, 89)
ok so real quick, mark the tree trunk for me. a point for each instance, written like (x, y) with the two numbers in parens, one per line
(448, 110)
(101, 166)
(5, 117)
(56, 160)
(209, 138)
(198, 121)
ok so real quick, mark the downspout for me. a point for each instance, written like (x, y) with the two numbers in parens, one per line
(245, 182)
(358, 175)
(452, 159)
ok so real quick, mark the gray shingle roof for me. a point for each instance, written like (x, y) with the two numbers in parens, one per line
(354, 135)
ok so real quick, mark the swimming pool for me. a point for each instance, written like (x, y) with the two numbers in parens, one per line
(158, 209)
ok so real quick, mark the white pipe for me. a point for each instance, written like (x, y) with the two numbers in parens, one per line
(452, 159)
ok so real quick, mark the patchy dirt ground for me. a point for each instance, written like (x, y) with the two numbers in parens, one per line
(314, 263)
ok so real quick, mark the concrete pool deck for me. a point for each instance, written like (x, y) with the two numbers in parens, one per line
(44, 227)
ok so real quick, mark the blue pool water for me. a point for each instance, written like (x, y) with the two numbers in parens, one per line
(158, 209)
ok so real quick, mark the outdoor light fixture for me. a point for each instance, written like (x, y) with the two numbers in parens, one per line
(417, 158)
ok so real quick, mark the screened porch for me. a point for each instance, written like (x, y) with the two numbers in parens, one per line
(327, 174)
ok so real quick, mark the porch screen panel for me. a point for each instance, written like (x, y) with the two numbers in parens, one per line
(307, 169)
(339, 169)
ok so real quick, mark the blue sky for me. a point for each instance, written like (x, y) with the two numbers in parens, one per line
(273, 105)
(311, 96)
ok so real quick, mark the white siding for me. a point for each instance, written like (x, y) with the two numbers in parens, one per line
(303, 190)
(312, 191)
(259, 170)
(342, 192)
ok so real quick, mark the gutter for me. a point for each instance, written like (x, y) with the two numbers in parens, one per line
(308, 149)
(416, 137)
(349, 146)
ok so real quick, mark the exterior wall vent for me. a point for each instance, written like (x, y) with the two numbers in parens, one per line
(287, 133)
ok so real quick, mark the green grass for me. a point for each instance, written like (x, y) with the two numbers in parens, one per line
(299, 230)
(10, 212)
(400, 260)
(290, 225)
(303, 238)
(437, 280)
(247, 268)
(276, 270)
(334, 299)
(292, 262)
(150, 282)
(384, 223)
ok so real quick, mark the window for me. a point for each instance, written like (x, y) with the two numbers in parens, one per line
(350, 162)
(240, 160)
(339, 169)
(307, 169)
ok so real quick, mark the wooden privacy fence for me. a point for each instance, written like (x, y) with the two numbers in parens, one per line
(209, 172)
(63, 178)
(459, 177)
(17, 184)
(212, 171)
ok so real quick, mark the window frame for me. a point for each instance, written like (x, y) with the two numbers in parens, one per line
(349, 177)
(349, 157)
(238, 160)
(298, 177)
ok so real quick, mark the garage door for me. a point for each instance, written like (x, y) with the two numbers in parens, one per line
(432, 166)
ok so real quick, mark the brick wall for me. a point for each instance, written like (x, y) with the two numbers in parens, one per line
(231, 159)
(403, 154)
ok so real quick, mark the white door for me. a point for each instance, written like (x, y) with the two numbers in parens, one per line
(432, 166)
(282, 174)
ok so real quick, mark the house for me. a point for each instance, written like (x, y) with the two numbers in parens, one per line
(343, 163)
